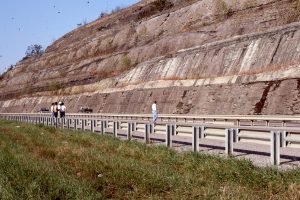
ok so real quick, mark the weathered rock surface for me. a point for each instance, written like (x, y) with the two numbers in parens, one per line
(193, 57)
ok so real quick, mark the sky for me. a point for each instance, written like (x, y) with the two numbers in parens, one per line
(24, 23)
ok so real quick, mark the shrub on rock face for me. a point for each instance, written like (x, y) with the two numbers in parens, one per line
(221, 7)
(34, 50)
(154, 7)
(160, 4)
(11, 67)
(54, 86)
(125, 61)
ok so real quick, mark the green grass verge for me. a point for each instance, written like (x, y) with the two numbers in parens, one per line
(38, 162)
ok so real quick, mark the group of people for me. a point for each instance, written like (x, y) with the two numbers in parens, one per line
(58, 110)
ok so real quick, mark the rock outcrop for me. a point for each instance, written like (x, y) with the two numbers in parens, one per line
(193, 57)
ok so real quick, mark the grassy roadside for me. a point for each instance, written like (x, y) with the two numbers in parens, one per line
(38, 162)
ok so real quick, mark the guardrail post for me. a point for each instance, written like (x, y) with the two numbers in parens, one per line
(115, 129)
(147, 133)
(93, 122)
(173, 129)
(56, 122)
(102, 127)
(229, 141)
(133, 126)
(201, 133)
(275, 147)
(68, 123)
(168, 135)
(129, 129)
(283, 139)
(151, 128)
(82, 124)
(75, 124)
(236, 135)
(196, 136)
(63, 122)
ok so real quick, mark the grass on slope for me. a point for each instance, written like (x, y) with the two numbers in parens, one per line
(38, 162)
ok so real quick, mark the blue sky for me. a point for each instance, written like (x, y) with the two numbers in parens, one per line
(23, 23)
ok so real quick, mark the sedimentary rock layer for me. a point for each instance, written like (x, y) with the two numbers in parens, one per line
(206, 57)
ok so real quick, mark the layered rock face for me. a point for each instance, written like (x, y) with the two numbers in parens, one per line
(192, 57)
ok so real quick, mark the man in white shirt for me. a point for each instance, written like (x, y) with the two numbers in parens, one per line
(52, 110)
(58, 109)
(154, 112)
(62, 110)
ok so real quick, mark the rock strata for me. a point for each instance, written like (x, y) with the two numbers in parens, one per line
(193, 57)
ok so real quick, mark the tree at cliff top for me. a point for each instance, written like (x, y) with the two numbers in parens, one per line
(34, 50)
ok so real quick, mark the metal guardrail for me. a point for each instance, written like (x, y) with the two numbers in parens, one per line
(281, 131)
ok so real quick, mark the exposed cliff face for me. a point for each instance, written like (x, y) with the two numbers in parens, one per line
(200, 57)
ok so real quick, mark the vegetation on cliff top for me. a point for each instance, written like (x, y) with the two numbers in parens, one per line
(38, 162)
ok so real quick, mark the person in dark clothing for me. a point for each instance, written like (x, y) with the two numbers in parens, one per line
(55, 110)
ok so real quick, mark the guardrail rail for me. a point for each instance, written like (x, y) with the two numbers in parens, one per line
(276, 131)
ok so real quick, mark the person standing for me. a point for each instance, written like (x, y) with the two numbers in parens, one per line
(154, 112)
(55, 109)
(62, 110)
(52, 110)
(55, 113)
(58, 110)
